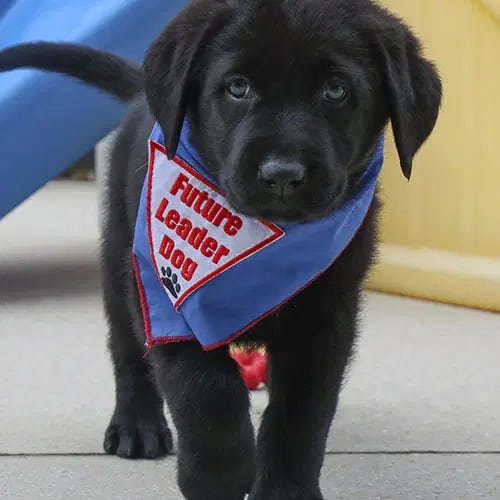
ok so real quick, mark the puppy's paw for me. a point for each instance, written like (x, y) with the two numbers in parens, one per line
(282, 495)
(282, 491)
(134, 437)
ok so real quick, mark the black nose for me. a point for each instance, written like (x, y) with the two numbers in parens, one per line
(282, 175)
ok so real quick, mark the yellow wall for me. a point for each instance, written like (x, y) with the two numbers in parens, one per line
(441, 231)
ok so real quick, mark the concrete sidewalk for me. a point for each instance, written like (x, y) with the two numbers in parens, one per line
(419, 417)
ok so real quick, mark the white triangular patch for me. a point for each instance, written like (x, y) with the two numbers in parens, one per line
(194, 234)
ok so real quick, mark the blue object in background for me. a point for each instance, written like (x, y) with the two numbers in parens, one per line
(49, 121)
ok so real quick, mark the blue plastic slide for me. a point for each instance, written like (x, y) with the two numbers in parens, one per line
(48, 121)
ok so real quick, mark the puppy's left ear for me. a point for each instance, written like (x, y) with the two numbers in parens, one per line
(413, 89)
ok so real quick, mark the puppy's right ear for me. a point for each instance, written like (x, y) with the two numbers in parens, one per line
(170, 63)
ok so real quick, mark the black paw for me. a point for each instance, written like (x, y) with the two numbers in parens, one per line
(282, 492)
(131, 438)
(170, 279)
(283, 496)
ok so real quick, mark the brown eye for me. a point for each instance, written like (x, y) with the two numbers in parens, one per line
(238, 88)
(335, 91)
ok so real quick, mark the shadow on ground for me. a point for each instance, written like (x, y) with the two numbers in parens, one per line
(28, 281)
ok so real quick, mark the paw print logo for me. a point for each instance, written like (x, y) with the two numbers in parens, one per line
(169, 280)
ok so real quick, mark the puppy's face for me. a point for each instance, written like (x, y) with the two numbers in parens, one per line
(288, 113)
(288, 99)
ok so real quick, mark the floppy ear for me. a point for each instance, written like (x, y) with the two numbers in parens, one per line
(413, 89)
(169, 66)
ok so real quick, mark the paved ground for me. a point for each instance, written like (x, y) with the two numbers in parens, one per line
(419, 418)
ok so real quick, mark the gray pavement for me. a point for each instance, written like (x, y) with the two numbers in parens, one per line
(419, 417)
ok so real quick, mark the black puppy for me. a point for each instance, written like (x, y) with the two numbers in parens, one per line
(310, 84)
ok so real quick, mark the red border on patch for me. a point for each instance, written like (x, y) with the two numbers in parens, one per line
(278, 233)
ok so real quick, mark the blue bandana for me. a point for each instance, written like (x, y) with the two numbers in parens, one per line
(207, 273)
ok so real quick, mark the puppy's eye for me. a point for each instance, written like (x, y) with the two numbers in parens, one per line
(335, 91)
(238, 88)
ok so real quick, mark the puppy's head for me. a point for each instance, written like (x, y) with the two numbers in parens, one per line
(287, 98)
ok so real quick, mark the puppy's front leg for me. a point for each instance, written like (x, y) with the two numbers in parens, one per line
(210, 408)
(304, 385)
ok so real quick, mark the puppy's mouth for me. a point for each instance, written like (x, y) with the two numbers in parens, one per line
(313, 205)
(279, 212)
(290, 216)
